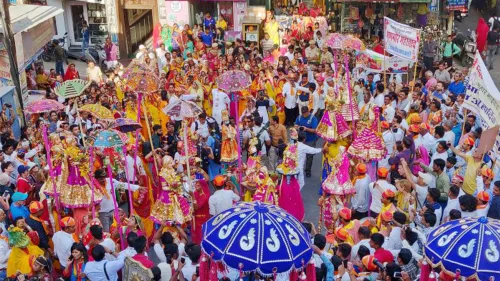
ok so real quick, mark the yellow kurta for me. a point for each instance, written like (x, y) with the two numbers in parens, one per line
(22, 259)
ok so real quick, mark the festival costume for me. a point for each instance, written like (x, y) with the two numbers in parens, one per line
(229, 146)
(332, 125)
(266, 188)
(201, 210)
(345, 102)
(290, 198)
(338, 181)
(23, 253)
(250, 179)
(171, 206)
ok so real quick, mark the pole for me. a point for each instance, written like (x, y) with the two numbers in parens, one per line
(131, 209)
(9, 43)
(385, 72)
(91, 158)
(238, 139)
(149, 134)
(51, 169)
(414, 75)
(117, 216)
(348, 74)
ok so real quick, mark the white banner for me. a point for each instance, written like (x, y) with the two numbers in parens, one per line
(482, 96)
(401, 40)
(374, 62)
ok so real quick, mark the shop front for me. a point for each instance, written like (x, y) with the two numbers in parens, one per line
(365, 18)
(89, 12)
(136, 21)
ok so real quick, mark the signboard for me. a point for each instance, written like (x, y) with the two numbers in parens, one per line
(482, 96)
(401, 40)
(239, 12)
(177, 12)
(34, 39)
(374, 62)
(456, 5)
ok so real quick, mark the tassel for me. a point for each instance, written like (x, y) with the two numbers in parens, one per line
(433, 276)
(294, 275)
(213, 271)
(204, 268)
(311, 271)
(303, 276)
(425, 269)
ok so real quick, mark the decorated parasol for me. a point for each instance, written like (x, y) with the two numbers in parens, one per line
(231, 82)
(470, 245)
(367, 146)
(334, 40)
(136, 67)
(183, 109)
(97, 111)
(353, 43)
(126, 125)
(144, 82)
(44, 105)
(234, 81)
(123, 136)
(108, 138)
(71, 88)
(257, 237)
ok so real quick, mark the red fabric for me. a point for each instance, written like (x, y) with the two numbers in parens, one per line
(144, 260)
(156, 36)
(202, 211)
(482, 33)
(382, 255)
(379, 49)
(71, 74)
(23, 185)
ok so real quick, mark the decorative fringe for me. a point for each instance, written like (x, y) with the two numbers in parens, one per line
(204, 267)
(212, 276)
(294, 275)
(433, 276)
(311, 271)
(303, 276)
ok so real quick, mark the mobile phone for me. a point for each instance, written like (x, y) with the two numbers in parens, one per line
(398, 275)
(183, 260)
(5, 194)
(197, 271)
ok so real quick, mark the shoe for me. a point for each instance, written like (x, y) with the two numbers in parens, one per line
(308, 175)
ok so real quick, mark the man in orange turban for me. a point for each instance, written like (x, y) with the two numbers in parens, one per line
(377, 188)
(348, 224)
(361, 199)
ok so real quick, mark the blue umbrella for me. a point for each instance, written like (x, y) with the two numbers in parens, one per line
(261, 237)
(108, 138)
(471, 245)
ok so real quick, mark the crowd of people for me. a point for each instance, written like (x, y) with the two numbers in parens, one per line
(421, 167)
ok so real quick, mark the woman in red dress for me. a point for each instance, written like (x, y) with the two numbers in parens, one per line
(71, 73)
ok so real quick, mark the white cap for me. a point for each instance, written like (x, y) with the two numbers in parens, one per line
(427, 178)
(142, 47)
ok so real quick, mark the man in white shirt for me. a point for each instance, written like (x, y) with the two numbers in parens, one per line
(102, 269)
(427, 140)
(364, 240)
(389, 111)
(160, 54)
(393, 242)
(64, 240)
(94, 73)
(222, 199)
(452, 202)
(291, 108)
(362, 197)
(389, 141)
(4, 254)
(289, 53)
(129, 251)
(221, 102)
(107, 205)
(200, 126)
(321, 90)
(303, 150)
(377, 188)
(134, 172)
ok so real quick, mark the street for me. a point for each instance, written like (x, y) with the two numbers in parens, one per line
(470, 22)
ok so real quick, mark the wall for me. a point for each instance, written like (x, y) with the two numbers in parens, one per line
(60, 22)
(176, 12)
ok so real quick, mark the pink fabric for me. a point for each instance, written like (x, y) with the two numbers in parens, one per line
(342, 126)
(423, 158)
(290, 198)
(343, 172)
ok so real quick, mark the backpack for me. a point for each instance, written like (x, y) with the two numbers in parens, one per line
(217, 150)
(259, 142)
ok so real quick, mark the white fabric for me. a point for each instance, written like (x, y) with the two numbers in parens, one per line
(376, 205)
(222, 200)
(62, 247)
(107, 204)
(303, 150)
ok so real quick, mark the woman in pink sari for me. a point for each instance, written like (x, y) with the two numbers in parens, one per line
(290, 198)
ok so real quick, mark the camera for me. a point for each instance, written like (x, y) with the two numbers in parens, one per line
(8, 105)
(378, 264)
(301, 128)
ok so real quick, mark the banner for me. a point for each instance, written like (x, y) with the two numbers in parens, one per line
(401, 40)
(482, 96)
(374, 62)
(457, 5)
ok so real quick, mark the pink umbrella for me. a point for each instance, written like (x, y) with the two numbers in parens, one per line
(234, 81)
(335, 40)
(43, 105)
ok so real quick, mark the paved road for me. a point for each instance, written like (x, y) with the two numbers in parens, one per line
(471, 23)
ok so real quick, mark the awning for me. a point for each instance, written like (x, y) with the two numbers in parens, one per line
(24, 17)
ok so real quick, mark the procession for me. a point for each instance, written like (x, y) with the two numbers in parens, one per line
(307, 148)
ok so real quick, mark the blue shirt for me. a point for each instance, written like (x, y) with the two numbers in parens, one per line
(438, 95)
(207, 39)
(456, 88)
(209, 23)
(86, 35)
(309, 122)
(19, 211)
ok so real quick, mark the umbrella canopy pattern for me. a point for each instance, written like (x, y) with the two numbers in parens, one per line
(123, 136)
(72, 88)
(44, 105)
(340, 41)
(136, 67)
(182, 109)
(234, 81)
(97, 111)
(470, 244)
(126, 125)
(143, 82)
(108, 138)
(261, 237)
